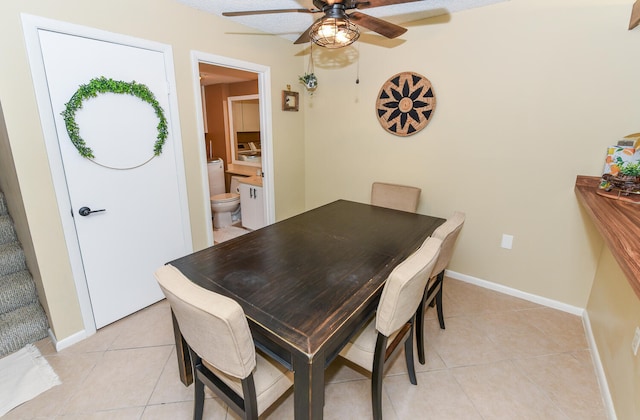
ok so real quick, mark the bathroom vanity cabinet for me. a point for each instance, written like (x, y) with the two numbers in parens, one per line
(252, 206)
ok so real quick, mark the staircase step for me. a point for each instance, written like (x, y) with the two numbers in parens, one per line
(23, 326)
(11, 258)
(7, 232)
(3, 205)
(16, 290)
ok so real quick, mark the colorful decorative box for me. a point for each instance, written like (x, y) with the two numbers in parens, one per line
(619, 155)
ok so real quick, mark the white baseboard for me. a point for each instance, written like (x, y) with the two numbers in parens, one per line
(581, 312)
(64, 343)
(517, 293)
(597, 364)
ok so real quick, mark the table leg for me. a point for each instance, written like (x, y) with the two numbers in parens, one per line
(182, 352)
(308, 387)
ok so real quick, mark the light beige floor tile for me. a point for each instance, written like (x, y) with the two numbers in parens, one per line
(213, 410)
(352, 400)
(467, 299)
(132, 413)
(341, 371)
(462, 344)
(495, 324)
(169, 388)
(122, 378)
(151, 326)
(98, 342)
(437, 394)
(501, 391)
(432, 360)
(568, 382)
(46, 347)
(280, 410)
(564, 329)
(525, 344)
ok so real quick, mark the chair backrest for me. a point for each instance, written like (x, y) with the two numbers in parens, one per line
(405, 286)
(393, 196)
(213, 325)
(448, 233)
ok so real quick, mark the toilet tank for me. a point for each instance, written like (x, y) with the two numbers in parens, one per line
(216, 177)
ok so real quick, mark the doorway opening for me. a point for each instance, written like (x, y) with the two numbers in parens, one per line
(235, 132)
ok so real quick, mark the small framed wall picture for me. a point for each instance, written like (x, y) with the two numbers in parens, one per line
(289, 100)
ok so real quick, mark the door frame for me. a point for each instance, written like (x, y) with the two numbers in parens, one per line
(266, 135)
(31, 25)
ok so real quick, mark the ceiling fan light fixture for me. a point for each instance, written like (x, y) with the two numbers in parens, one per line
(333, 32)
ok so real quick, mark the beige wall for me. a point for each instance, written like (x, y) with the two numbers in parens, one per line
(164, 21)
(529, 94)
(614, 314)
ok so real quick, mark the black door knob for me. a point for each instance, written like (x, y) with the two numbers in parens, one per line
(85, 211)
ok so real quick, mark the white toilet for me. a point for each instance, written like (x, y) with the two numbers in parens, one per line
(224, 206)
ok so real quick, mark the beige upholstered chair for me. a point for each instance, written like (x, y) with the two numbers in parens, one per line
(448, 233)
(393, 196)
(221, 348)
(379, 340)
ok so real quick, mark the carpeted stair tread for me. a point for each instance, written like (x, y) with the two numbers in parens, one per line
(3, 204)
(11, 258)
(7, 232)
(17, 289)
(23, 326)
(22, 319)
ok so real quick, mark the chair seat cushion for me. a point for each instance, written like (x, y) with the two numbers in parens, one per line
(362, 346)
(270, 377)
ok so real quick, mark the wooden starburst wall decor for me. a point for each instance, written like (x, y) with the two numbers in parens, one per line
(405, 104)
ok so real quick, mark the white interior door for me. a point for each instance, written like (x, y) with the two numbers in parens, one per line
(142, 226)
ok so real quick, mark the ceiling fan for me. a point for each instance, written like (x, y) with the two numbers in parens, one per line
(336, 28)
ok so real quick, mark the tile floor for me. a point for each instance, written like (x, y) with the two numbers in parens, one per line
(499, 358)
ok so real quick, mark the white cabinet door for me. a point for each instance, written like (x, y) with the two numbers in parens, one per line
(246, 115)
(250, 116)
(236, 113)
(251, 206)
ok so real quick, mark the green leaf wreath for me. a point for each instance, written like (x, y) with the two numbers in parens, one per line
(104, 85)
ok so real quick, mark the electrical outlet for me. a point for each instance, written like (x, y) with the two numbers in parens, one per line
(636, 342)
(507, 241)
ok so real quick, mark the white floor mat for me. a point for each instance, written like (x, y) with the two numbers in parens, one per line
(24, 375)
(230, 232)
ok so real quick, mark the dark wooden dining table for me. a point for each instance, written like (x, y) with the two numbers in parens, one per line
(307, 284)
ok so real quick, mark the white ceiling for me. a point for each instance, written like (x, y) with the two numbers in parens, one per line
(291, 25)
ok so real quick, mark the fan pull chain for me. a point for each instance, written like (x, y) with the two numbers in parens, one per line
(358, 66)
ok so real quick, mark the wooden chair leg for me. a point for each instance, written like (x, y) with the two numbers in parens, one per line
(198, 387)
(376, 376)
(420, 329)
(438, 300)
(250, 398)
(408, 354)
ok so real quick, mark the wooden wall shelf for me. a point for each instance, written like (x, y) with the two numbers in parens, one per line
(619, 224)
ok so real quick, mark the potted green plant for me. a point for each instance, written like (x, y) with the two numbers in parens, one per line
(629, 169)
(310, 81)
(627, 179)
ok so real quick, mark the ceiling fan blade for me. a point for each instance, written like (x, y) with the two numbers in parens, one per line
(305, 37)
(266, 12)
(388, 29)
(364, 4)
